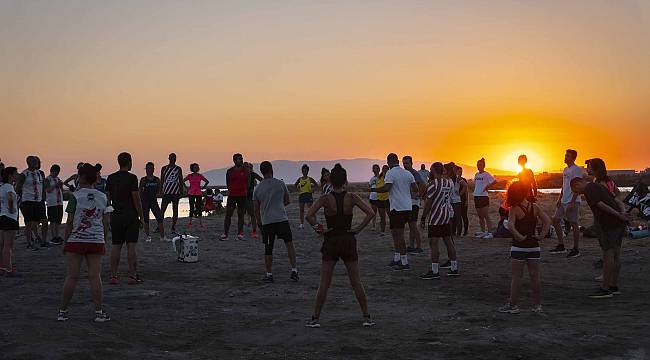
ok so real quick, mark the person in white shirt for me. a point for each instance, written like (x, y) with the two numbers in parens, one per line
(30, 188)
(54, 202)
(568, 205)
(373, 195)
(483, 180)
(399, 184)
(8, 219)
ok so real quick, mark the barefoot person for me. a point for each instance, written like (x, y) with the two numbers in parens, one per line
(171, 176)
(150, 189)
(415, 238)
(438, 214)
(270, 198)
(237, 181)
(483, 180)
(30, 187)
(85, 237)
(399, 184)
(54, 202)
(525, 251)
(197, 182)
(8, 219)
(612, 222)
(568, 206)
(126, 217)
(305, 186)
(339, 241)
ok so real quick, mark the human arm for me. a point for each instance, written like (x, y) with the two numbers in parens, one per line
(10, 199)
(68, 180)
(311, 213)
(546, 220)
(533, 183)
(135, 196)
(512, 224)
(106, 222)
(623, 216)
(366, 209)
(205, 181)
(383, 189)
(70, 209)
(314, 184)
(20, 181)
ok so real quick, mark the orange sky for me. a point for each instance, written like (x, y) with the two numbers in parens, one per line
(324, 80)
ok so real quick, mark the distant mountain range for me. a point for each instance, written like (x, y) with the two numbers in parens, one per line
(359, 170)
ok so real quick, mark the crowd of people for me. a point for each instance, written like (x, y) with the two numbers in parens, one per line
(434, 200)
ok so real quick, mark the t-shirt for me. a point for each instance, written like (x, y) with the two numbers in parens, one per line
(569, 173)
(439, 191)
(595, 193)
(149, 188)
(270, 194)
(373, 185)
(55, 196)
(87, 206)
(304, 185)
(455, 192)
(424, 175)
(170, 176)
(33, 186)
(100, 185)
(5, 190)
(481, 181)
(195, 183)
(415, 198)
(400, 192)
(237, 181)
(380, 183)
(120, 186)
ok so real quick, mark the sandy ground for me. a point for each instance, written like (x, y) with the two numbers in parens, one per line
(219, 308)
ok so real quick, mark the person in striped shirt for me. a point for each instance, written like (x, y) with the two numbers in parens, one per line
(438, 213)
(171, 176)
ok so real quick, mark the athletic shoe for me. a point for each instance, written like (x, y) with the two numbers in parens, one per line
(410, 249)
(148, 239)
(294, 276)
(479, 234)
(46, 244)
(419, 251)
(537, 309)
(487, 236)
(313, 323)
(599, 278)
(267, 279)
(453, 273)
(63, 315)
(223, 237)
(134, 280)
(393, 263)
(302, 227)
(574, 253)
(559, 249)
(57, 240)
(113, 280)
(101, 316)
(367, 322)
(165, 239)
(400, 267)
(601, 294)
(254, 234)
(430, 275)
(615, 290)
(509, 309)
(446, 265)
(240, 236)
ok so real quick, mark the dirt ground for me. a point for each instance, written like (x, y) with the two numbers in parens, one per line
(219, 308)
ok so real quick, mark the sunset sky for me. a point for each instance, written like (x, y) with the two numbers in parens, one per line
(308, 80)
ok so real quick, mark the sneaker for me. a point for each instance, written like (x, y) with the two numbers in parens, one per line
(614, 290)
(294, 276)
(148, 239)
(509, 309)
(479, 234)
(419, 251)
(240, 236)
(537, 309)
(446, 265)
(430, 275)
(487, 236)
(574, 253)
(559, 249)
(63, 315)
(46, 244)
(453, 273)
(367, 322)
(601, 294)
(599, 278)
(101, 316)
(400, 267)
(410, 250)
(302, 227)
(393, 263)
(313, 323)
(223, 237)
(254, 234)
(268, 279)
(134, 280)
(57, 240)
(113, 280)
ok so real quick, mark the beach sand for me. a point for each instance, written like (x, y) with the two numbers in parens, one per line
(219, 308)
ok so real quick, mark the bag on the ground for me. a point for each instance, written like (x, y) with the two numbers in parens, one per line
(639, 198)
(187, 248)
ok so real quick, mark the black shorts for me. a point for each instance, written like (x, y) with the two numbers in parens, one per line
(33, 211)
(399, 219)
(55, 214)
(439, 231)
(171, 198)
(374, 202)
(237, 202)
(7, 223)
(383, 204)
(124, 228)
(415, 212)
(481, 201)
(270, 232)
(306, 198)
(151, 205)
(611, 238)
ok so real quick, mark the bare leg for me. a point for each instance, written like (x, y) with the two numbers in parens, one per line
(240, 219)
(576, 235)
(133, 258)
(146, 229)
(534, 272)
(44, 231)
(414, 234)
(228, 219)
(515, 285)
(302, 213)
(435, 252)
(291, 252)
(558, 231)
(608, 268)
(374, 219)
(326, 272)
(94, 262)
(115, 258)
(71, 277)
(617, 267)
(8, 237)
(357, 286)
(382, 219)
(174, 214)
(451, 248)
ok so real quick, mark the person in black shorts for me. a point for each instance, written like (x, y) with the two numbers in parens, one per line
(150, 189)
(253, 178)
(270, 197)
(171, 176)
(8, 219)
(237, 181)
(339, 241)
(126, 216)
(30, 186)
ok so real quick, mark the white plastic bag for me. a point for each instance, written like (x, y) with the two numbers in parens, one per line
(187, 249)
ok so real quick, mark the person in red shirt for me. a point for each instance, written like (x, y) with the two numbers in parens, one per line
(237, 179)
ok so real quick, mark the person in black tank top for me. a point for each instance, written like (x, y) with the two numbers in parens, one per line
(150, 189)
(525, 250)
(339, 241)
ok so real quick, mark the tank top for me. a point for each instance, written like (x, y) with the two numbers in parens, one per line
(526, 226)
(381, 182)
(33, 186)
(340, 223)
(304, 185)
(170, 175)
(455, 192)
(149, 188)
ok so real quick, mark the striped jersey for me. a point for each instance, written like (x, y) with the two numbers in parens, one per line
(33, 186)
(171, 176)
(439, 190)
